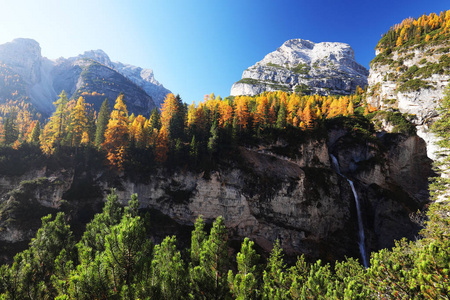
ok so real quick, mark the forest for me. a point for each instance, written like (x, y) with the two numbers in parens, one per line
(190, 131)
(426, 29)
(115, 259)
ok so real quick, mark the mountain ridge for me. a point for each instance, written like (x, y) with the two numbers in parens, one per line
(304, 66)
(44, 77)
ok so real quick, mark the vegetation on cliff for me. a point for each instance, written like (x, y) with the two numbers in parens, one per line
(182, 131)
(427, 29)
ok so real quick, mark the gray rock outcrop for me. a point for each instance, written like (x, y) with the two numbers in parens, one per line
(300, 200)
(307, 67)
(413, 81)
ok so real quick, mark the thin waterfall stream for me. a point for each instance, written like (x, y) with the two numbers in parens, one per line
(361, 235)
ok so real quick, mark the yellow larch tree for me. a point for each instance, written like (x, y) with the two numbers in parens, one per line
(85, 138)
(168, 110)
(241, 113)
(116, 134)
(261, 112)
(2, 133)
(136, 131)
(225, 114)
(78, 122)
(162, 145)
(350, 109)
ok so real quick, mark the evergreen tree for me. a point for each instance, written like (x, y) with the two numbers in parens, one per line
(245, 284)
(168, 270)
(213, 139)
(155, 119)
(274, 277)
(102, 123)
(34, 138)
(11, 131)
(55, 131)
(61, 117)
(281, 118)
(209, 278)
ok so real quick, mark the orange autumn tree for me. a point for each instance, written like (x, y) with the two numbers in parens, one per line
(139, 132)
(162, 145)
(241, 113)
(225, 113)
(116, 134)
(2, 133)
(262, 112)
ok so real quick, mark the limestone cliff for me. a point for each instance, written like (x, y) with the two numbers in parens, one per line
(307, 67)
(412, 80)
(265, 195)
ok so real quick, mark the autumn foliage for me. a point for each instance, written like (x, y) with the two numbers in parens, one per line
(426, 28)
(180, 130)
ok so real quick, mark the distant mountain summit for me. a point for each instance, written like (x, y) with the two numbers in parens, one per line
(307, 67)
(91, 75)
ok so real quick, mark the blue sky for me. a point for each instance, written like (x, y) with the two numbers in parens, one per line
(201, 47)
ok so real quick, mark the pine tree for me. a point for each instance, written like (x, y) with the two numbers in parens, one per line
(168, 270)
(209, 278)
(213, 139)
(11, 131)
(61, 117)
(155, 119)
(281, 118)
(274, 278)
(245, 284)
(102, 123)
(34, 137)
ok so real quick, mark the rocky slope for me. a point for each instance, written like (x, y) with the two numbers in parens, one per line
(91, 74)
(300, 200)
(303, 66)
(412, 80)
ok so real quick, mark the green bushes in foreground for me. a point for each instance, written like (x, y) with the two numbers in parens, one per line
(114, 259)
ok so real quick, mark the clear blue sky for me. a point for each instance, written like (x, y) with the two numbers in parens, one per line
(199, 47)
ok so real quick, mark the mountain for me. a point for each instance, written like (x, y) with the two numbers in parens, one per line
(91, 75)
(307, 67)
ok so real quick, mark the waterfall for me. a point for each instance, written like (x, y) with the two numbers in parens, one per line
(361, 236)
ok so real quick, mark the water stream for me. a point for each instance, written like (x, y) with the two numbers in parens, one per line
(361, 236)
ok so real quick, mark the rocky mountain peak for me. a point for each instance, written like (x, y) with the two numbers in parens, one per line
(88, 74)
(98, 56)
(24, 56)
(296, 51)
(304, 66)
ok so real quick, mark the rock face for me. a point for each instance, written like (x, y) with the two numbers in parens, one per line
(91, 75)
(413, 81)
(303, 66)
(300, 200)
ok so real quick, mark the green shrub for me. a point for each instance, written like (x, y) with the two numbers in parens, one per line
(301, 68)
